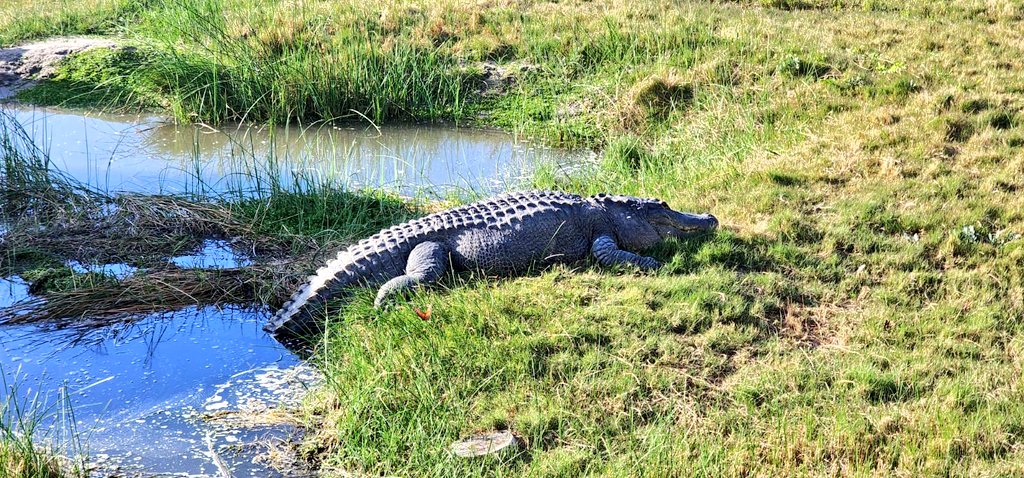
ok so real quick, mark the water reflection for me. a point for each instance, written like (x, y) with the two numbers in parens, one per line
(138, 394)
(144, 154)
(213, 254)
(139, 390)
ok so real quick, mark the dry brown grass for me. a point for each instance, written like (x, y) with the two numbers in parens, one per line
(126, 228)
(152, 291)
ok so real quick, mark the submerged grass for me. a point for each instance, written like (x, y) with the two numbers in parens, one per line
(858, 315)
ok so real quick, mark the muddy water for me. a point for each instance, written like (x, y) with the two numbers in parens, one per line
(138, 153)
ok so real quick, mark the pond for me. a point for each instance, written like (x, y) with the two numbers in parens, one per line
(147, 154)
(167, 394)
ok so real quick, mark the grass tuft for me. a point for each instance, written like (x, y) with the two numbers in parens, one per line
(26, 448)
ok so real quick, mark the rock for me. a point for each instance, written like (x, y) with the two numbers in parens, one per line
(21, 65)
(497, 78)
(483, 444)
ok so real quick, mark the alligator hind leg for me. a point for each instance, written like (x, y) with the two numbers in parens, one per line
(427, 263)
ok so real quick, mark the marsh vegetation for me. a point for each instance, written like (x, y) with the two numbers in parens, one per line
(859, 313)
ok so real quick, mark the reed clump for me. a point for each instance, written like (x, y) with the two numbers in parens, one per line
(19, 460)
(205, 61)
(27, 449)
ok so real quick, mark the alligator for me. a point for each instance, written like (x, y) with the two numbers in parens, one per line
(505, 235)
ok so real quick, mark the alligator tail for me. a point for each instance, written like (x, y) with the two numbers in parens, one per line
(297, 318)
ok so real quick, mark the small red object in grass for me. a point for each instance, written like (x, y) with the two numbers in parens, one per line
(424, 314)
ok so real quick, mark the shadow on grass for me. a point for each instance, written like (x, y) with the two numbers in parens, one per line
(726, 249)
(729, 279)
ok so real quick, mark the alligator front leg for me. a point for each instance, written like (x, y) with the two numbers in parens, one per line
(427, 263)
(608, 253)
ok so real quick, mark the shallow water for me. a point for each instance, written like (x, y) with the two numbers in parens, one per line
(213, 254)
(147, 154)
(140, 396)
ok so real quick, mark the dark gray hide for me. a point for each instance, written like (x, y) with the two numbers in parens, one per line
(502, 236)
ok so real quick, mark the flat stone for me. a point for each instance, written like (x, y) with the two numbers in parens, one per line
(484, 444)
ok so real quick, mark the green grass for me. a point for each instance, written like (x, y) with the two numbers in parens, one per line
(321, 212)
(26, 449)
(228, 60)
(858, 314)
(23, 20)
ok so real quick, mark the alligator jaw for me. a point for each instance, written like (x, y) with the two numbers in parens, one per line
(679, 224)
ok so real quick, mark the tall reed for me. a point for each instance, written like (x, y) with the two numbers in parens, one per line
(211, 69)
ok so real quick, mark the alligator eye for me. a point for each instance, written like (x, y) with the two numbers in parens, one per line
(663, 204)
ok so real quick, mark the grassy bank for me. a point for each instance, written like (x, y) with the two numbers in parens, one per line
(859, 313)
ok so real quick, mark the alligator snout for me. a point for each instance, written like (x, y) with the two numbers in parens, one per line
(711, 222)
(688, 222)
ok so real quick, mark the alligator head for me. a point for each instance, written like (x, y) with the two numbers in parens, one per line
(640, 223)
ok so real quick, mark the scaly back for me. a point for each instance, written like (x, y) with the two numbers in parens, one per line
(370, 259)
